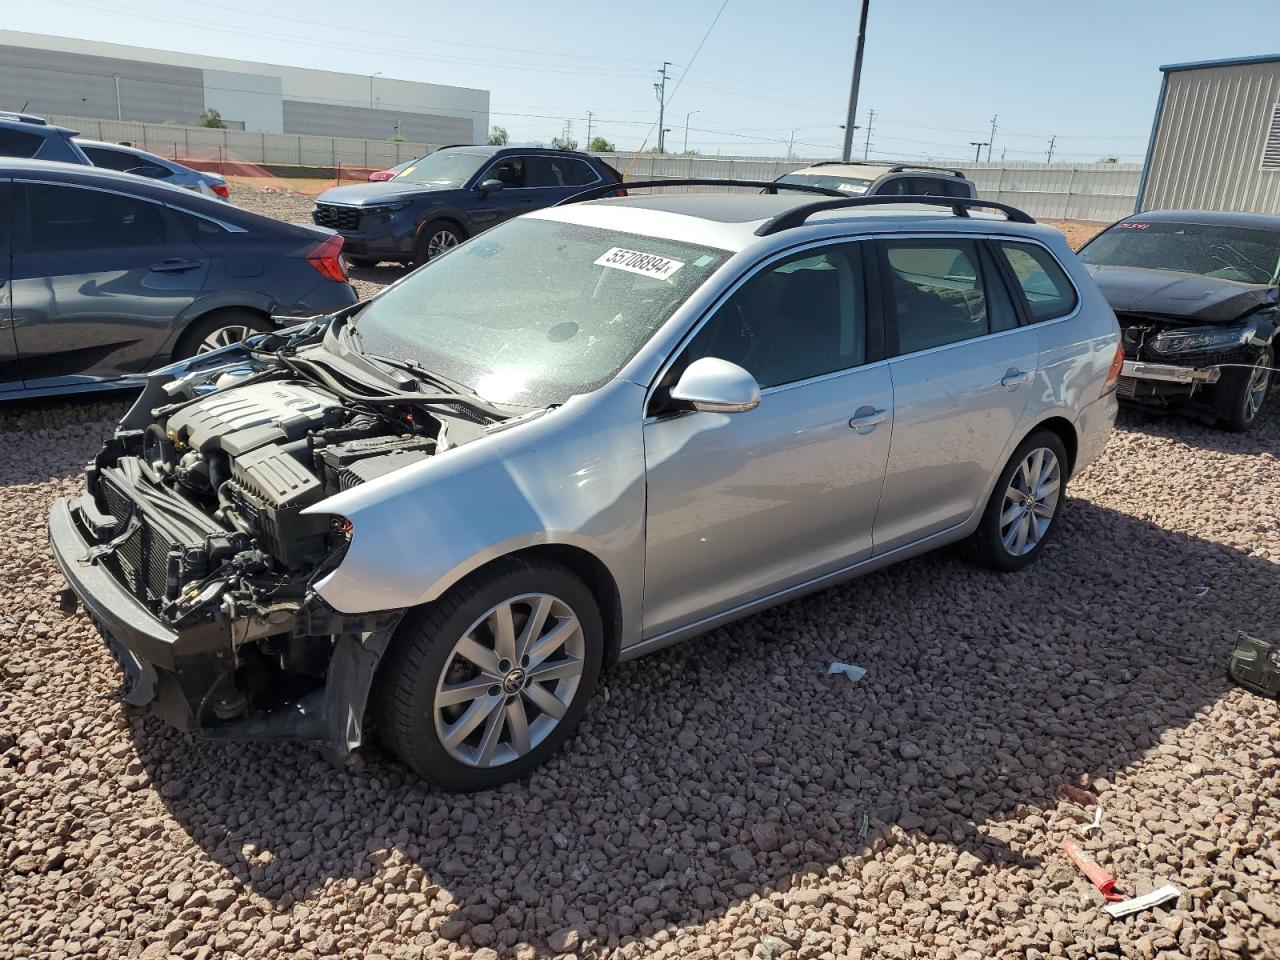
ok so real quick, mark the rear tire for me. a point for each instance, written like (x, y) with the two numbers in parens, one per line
(468, 695)
(363, 263)
(219, 330)
(1239, 394)
(1022, 512)
(436, 238)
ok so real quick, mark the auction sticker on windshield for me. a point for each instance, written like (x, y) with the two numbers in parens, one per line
(645, 264)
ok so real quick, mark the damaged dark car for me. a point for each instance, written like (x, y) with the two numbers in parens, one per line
(1197, 295)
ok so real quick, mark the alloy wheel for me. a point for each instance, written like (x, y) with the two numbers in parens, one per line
(1030, 501)
(1256, 391)
(223, 337)
(440, 242)
(509, 680)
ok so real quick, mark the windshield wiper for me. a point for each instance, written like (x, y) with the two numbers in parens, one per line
(421, 372)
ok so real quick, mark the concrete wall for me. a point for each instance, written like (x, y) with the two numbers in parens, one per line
(70, 77)
(1103, 192)
(53, 82)
(1209, 135)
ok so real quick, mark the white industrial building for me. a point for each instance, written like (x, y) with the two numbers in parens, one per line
(1215, 143)
(65, 77)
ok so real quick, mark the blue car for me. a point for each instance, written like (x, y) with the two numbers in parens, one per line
(451, 195)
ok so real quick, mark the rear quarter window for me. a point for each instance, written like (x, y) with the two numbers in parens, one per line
(1048, 292)
(19, 143)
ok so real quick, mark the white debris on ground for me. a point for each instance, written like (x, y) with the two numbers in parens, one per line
(705, 811)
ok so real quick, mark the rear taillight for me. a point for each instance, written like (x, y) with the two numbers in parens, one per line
(221, 189)
(1113, 374)
(327, 259)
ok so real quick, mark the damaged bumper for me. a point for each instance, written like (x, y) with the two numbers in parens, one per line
(310, 683)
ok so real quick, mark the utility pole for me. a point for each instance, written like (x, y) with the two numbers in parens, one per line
(977, 153)
(589, 115)
(857, 78)
(661, 90)
(790, 144)
(1052, 141)
(119, 115)
(991, 139)
(686, 130)
(866, 147)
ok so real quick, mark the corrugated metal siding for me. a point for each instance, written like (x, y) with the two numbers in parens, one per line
(1210, 138)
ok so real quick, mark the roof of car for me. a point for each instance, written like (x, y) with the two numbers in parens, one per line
(729, 221)
(827, 168)
(489, 149)
(1230, 218)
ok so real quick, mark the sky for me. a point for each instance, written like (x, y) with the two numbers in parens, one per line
(769, 75)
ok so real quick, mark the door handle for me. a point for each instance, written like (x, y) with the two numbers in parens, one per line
(174, 266)
(1014, 378)
(866, 418)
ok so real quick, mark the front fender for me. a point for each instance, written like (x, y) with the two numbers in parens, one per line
(574, 476)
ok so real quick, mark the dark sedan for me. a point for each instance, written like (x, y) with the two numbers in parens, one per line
(104, 276)
(448, 196)
(1197, 295)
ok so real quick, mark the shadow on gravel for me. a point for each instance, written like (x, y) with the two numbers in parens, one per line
(732, 764)
(1187, 428)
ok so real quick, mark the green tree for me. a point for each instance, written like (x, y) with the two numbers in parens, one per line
(564, 143)
(498, 137)
(211, 118)
(601, 145)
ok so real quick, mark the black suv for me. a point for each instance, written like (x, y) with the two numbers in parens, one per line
(28, 137)
(445, 197)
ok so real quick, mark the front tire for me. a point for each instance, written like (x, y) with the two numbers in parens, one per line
(486, 683)
(437, 238)
(1022, 512)
(1239, 395)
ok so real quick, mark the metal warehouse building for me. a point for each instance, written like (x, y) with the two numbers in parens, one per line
(1215, 143)
(59, 76)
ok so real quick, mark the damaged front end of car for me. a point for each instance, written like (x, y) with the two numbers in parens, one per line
(1175, 359)
(202, 532)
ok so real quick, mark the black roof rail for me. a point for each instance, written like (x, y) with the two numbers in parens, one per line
(769, 186)
(847, 163)
(899, 168)
(797, 216)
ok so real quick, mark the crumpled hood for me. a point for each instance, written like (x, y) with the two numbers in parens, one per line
(1184, 295)
(372, 194)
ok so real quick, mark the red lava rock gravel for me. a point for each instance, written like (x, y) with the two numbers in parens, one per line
(715, 800)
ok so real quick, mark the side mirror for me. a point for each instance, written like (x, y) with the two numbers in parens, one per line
(491, 186)
(712, 385)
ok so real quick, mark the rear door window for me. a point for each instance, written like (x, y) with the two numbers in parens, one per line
(559, 172)
(19, 143)
(939, 293)
(1048, 292)
(63, 219)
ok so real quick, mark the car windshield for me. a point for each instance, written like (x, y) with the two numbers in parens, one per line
(854, 186)
(444, 168)
(1207, 250)
(535, 311)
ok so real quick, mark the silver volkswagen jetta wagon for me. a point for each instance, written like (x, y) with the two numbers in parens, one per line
(591, 432)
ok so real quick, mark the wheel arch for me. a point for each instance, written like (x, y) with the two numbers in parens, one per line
(585, 564)
(451, 217)
(1066, 432)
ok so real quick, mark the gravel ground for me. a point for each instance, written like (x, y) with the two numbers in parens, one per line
(724, 798)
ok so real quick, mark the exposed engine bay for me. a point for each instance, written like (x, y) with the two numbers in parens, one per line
(197, 508)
